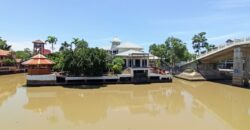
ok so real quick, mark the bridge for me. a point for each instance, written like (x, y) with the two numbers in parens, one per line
(237, 50)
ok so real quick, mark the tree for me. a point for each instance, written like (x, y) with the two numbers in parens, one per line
(199, 41)
(24, 55)
(209, 47)
(83, 60)
(64, 46)
(176, 50)
(51, 40)
(57, 58)
(8, 62)
(117, 64)
(171, 52)
(4, 45)
(97, 62)
(74, 42)
(159, 50)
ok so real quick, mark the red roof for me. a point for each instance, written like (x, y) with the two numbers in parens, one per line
(4, 53)
(38, 56)
(38, 60)
(46, 51)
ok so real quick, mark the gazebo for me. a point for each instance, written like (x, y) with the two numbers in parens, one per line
(38, 65)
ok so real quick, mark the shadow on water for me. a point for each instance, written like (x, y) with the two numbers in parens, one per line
(86, 86)
(96, 86)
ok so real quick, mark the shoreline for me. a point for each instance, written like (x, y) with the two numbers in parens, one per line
(54, 80)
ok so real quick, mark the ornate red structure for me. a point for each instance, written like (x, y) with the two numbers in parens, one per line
(39, 48)
(38, 65)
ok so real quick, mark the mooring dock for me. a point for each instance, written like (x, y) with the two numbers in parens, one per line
(53, 79)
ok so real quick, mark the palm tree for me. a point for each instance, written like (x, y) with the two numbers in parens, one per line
(199, 42)
(51, 40)
(64, 46)
(75, 42)
(4, 45)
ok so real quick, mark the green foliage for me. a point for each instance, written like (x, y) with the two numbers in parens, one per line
(81, 60)
(199, 41)
(209, 47)
(51, 40)
(8, 62)
(4, 45)
(172, 51)
(57, 58)
(64, 46)
(24, 55)
(117, 65)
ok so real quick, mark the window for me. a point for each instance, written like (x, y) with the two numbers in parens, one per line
(137, 63)
(144, 63)
(130, 63)
(115, 52)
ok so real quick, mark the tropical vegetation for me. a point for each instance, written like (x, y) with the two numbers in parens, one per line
(51, 40)
(171, 52)
(80, 59)
(199, 42)
(117, 65)
(4, 45)
(24, 55)
(8, 62)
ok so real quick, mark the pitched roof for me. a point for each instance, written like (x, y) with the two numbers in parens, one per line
(38, 60)
(38, 41)
(129, 45)
(38, 56)
(153, 57)
(129, 52)
(4, 53)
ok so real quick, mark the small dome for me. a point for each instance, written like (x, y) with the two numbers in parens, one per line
(116, 39)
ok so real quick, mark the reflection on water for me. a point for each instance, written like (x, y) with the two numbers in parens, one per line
(177, 105)
(93, 105)
(8, 85)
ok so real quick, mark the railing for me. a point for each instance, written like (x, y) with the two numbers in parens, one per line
(222, 47)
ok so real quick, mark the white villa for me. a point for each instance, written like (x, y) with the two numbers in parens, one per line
(133, 55)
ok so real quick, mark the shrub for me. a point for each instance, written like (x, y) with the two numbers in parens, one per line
(117, 65)
(8, 62)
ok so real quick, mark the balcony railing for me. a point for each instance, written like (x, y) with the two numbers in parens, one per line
(222, 47)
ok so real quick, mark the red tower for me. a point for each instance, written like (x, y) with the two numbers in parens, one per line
(39, 48)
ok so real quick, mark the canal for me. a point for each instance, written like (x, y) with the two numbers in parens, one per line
(181, 105)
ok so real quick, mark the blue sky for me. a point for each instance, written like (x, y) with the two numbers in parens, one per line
(140, 21)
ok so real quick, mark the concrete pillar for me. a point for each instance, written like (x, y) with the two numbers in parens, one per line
(246, 67)
(241, 67)
(147, 62)
(140, 62)
(127, 62)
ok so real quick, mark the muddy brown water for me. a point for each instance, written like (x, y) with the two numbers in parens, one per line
(181, 105)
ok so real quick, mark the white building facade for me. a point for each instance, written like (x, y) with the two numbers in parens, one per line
(133, 55)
